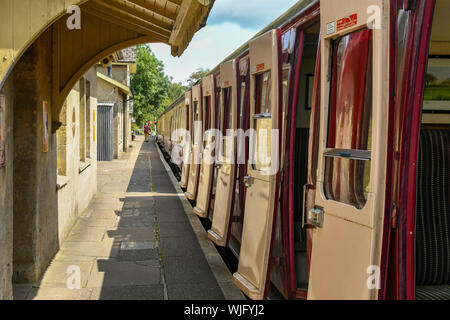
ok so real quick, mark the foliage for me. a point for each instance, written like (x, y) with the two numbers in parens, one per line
(135, 128)
(437, 93)
(150, 86)
(429, 79)
(154, 91)
(199, 74)
(176, 89)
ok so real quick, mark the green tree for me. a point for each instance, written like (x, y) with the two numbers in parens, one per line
(199, 74)
(175, 90)
(429, 79)
(150, 86)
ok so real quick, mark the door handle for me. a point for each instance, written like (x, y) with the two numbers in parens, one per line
(248, 181)
(316, 216)
(305, 189)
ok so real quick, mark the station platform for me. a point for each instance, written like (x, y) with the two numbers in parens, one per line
(137, 240)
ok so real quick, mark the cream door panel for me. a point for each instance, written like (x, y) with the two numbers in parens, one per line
(206, 170)
(186, 155)
(220, 227)
(254, 260)
(338, 246)
(348, 245)
(197, 135)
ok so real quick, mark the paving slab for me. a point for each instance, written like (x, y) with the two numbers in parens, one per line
(102, 249)
(106, 214)
(60, 294)
(110, 273)
(138, 251)
(194, 291)
(187, 269)
(94, 222)
(179, 247)
(81, 233)
(132, 234)
(153, 292)
(136, 222)
(59, 274)
(176, 229)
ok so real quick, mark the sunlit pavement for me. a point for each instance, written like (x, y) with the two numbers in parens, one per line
(133, 242)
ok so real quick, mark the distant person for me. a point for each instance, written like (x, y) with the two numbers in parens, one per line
(146, 131)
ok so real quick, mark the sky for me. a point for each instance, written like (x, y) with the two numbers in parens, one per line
(231, 23)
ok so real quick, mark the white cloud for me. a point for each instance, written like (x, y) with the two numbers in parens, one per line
(248, 13)
(204, 43)
(208, 48)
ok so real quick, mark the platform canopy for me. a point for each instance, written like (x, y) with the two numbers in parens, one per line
(104, 24)
(173, 21)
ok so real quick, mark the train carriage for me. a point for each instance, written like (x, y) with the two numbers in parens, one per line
(343, 191)
(226, 160)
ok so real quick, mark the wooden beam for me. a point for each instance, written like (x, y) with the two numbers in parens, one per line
(177, 2)
(159, 25)
(185, 21)
(99, 11)
(141, 12)
(169, 11)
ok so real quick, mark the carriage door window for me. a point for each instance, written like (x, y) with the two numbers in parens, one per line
(227, 124)
(207, 113)
(261, 158)
(285, 82)
(348, 152)
(242, 104)
(196, 123)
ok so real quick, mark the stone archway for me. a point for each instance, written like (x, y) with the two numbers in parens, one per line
(40, 66)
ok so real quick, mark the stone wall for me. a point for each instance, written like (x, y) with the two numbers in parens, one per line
(6, 197)
(120, 72)
(77, 180)
(35, 202)
(34, 217)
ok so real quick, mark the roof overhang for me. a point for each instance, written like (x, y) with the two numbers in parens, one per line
(125, 89)
(173, 22)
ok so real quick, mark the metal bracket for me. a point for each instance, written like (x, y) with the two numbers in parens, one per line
(248, 181)
(316, 217)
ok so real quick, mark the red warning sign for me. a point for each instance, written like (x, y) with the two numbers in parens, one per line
(260, 67)
(347, 22)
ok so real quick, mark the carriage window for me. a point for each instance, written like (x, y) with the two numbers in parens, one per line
(262, 94)
(437, 86)
(196, 123)
(218, 111)
(261, 157)
(242, 104)
(348, 155)
(285, 82)
(228, 121)
(207, 121)
(207, 113)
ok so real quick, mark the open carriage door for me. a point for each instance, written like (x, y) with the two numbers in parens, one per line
(187, 144)
(263, 174)
(208, 149)
(349, 201)
(226, 161)
(197, 138)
